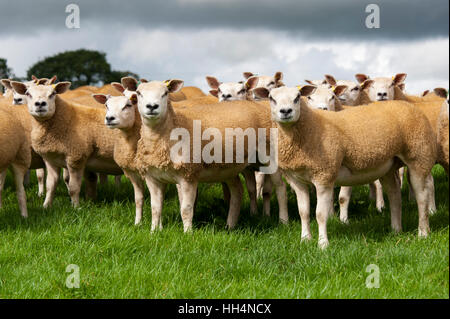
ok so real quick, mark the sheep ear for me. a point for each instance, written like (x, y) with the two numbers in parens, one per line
(307, 90)
(42, 81)
(367, 84)
(144, 81)
(309, 82)
(261, 93)
(119, 87)
(52, 80)
(212, 82)
(441, 92)
(19, 87)
(251, 83)
(62, 87)
(399, 78)
(129, 83)
(278, 77)
(6, 83)
(247, 75)
(425, 93)
(330, 80)
(100, 98)
(214, 93)
(361, 78)
(175, 85)
(34, 78)
(340, 89)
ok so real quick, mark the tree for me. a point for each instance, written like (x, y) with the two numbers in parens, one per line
(5, 71)
(81, 67)
(115, 76)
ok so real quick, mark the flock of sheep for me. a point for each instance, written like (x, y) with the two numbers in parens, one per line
(329, 133)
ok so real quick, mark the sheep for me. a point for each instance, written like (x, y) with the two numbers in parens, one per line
(349, 96)
(122, 115)
(326, 97)
(371, 90)
(159, 119)
(443, 130)
(264, 81)
(15, 153)
(192, 92)
(351, 148)
(19, 99)
(232, 91)
(68, 135)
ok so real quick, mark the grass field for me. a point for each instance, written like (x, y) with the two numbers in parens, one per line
(260, 259)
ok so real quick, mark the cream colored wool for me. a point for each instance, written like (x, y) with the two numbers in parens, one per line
(14, 153)
(73, 137)
(154, 147)
(318, 147)
(191, 92)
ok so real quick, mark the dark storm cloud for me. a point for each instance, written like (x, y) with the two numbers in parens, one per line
(400, 19)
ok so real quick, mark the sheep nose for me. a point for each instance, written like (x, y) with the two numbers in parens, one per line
(323, 108)
(109, 119)
(19, 100)
(382, 94)
(226, 97)
(152, 107)
(40, 104)
(286, 111)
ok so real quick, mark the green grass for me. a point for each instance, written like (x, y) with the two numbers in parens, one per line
(260, 259)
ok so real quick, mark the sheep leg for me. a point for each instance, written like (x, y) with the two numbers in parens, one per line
(76, 176)
(226, 193)
(189, 191)
(324, 209)
(91, 184)
(180, 195)
(103, 179)
(2, 183)
(236, 192)
(401, 174)
(379, 195)
(422, 194)
(432, 200)
(411, 195)
(26, 178)
(19, 175)
(156, 189)
(302, 193)
(118, 180)
(66, 177)
(138, 187)
(391, 183)
(280, 189)
(40, 175)
(250, 181)
(344, 200)
(267, 194)
(259, 177)
(51, 183)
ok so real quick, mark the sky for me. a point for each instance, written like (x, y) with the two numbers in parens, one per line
(190, 39)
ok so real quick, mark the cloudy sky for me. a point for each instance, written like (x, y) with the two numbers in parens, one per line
(189, 39)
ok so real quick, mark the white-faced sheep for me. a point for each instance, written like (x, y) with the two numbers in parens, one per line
(159, 120)
(231, 91)
(122, 114)
(68, 135)
(351, 148)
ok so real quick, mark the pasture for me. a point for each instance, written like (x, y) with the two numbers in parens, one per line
(259, 259)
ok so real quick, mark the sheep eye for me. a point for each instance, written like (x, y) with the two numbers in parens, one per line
(297, 99)
(272, 100)
(271, 83)
(138, 93)
(332, 98)
(165, 94)
(27, 94)
(355, 88)
(241, 91)
(52, 95)
(309, 98)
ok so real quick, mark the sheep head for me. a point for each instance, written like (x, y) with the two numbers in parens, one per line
(120, 110)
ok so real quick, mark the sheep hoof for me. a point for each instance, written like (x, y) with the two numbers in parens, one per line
(323, 244)
(344, 221)
(423, 233)
(306, 237)
(284, 221)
